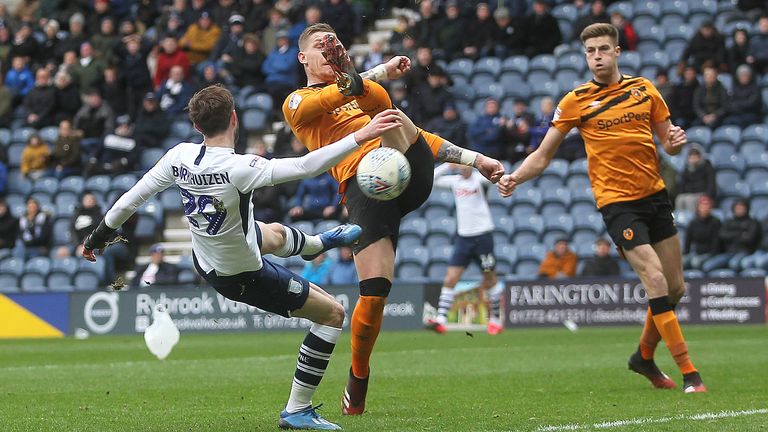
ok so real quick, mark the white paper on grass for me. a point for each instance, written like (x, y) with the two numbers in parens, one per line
(162, 335)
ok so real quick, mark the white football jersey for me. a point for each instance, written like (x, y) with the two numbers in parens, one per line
(216, 186)
(473, 216)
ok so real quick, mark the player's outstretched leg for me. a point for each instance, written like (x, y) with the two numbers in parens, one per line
(642, 361)
(314, 355)
(285, 241)
(445, 301)
(494, 301)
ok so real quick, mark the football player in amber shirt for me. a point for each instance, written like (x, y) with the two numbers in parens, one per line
(338, 100)
(617, 116)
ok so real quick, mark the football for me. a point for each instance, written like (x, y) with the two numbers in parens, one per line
(383, 174)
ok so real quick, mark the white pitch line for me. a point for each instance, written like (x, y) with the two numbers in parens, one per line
(640, 421)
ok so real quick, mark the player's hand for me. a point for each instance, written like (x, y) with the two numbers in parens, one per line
(676, 137)
(382, 122)
(506, 185)
(397, 66)
(490, 168)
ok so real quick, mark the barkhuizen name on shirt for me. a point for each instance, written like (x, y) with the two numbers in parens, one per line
(200, 179)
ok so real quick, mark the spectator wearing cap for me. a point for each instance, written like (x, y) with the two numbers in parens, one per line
(746, 104)
(200, 39)
(24, 43)
(169, 56)
(75, 37)
(67, 95)
(280, 69)
(174, 27)
(40, 102)
(758, 47)
(602, 264)
(277, 23)
(105, 41)
(157, 272)
(65, 160)
(542, 30)
(133, 53)
(89, 70)
(702, 239)
(95, 119)
(50, 43)
(706, 48)
(681, 101)
(711, 101)
(180, 11)
(151, 126)
(246, 67)
(340, 13)
(312, 15)
(484, 133)
(509, 36)
(6, 104)
(596, 14)
(449, 126)
(451, 34)
(560, 262)
(222, 11)
(112, 89)
(95, 17)
(257, 15)
(696, 180)
(19, 80)
(230, 43)
(175, 92)
(431, 98)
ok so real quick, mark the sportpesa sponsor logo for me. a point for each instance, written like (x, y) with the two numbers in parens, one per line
(627, 117)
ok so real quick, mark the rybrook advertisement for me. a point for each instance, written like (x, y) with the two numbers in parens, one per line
(612, 301)
(201, 310)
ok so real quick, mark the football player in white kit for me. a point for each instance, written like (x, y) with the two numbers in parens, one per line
(227, 244)
(473, 241)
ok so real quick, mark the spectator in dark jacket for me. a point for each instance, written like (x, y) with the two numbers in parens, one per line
(449, 126)
(431, 98)
(35, 227)
(133, 68)
(75, 38)
(157, 272)
(175, 92)
(509, 37)
(485, 133)
(400, 98)
(602, 264)
(739, 237)
(627, 35)
(68, 100)
(451, 34)
(697, 179)
(9, 227)
(95, 119)
(739, 51)
(710, 101)
(6, 103)
(85, 219)
(702, 240)
(681, 102)
(246, 65)
(746, 104)
(706, 48)
(425, 30)
(112, 89)
(222, 10)
(105, 40)
(257, 15)
(47, 49)
(758, 47)
(597, 14)
(316, 199)
(542, 30)
(478, 40)
(420, 68)
(66, 155)
(88, 72)
(40, 102)
(151, 126)
(340, 13)
(230, 42)
(24, 43)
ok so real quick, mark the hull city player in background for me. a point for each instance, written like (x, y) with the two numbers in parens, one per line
(227, 243)
(617, 116)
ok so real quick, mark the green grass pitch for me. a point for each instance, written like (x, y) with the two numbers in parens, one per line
(522, 380)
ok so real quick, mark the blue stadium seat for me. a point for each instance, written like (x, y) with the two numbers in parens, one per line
(721, 151)
(755, 154)
(13, 266)
(674, 7)
(721, 273)
(543, 62)
(555, 228)
(654, 33)
(572, 61)
(255, 120)
(170, 199)
(5, 137)
(33, 283)
(410, 272)
(624, 8)
(260, 101)
(680, 31)
(444, 226)
(528, 229)
(648, 8)
(506, 253)
(487, 65)
(123, 182)
(547, 88)
(567, 79)
(436, 271)
(551, 198)
(757, 132)
(465, 94)
(48, 185)
(40, 265)
(72, 184)
(756, 176)
(753, 272)
(519, 64)
(519, 91)
(180, 130)
(86, 281)
(61, 233)
(49, 134)
(533, 251)
(440, 254)
(629, 59)
(67, 265)
(149, 158)
(671, 23)
(187, 276)
(527, 198)
(489, 90)
(99, 183)
(579, 166)
(462, 67)
(9, 283)
(21, 135)
(436, 211)
(417, 255)
(98, 268)
(14, 154)
(699, 134)
(415, 227)
(727, 161)
(583, 237)
(565, 11)
(708, 7)
(656, 59)
(146, 228)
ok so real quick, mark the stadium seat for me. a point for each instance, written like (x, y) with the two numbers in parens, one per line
(99, 183)
(170, 199)
(543, 62)
(555, 228)
(753, 272)
(13, 266)
(72, 184)
(5, 137)
(441, 254)
(656, 59)
(530, 198)
(153, 207)
(674, 7)
(722, 273)
(59, 281)
(551, 198)
(488, 90)
(9, 283)
(260, 101)
(567, 79)
(61, 233)
(48, 185)
(565, 11)
(98, 267)
(414, 227)
(21, 135)
(86, 281)
(506, 252)
(528, 230)
(547, 88)
(647, 8)
(14, 154)
(123, 182)
(517, 64)
(756, 176)
(436, 271)
(187, 277)
(629, 59)
(255, 120)
(757, 132)
(40, 265)
(487, 65)
(653, 32)
(417, 255)
(462, 67)
(32, 283)
(146, 228)
(49, 134)
(732, 161)
(149, 157)
(67, 265)
(672, 23)
(753, 152)
(445, 227)
(572, 61)
(720, 151)
(519, 91)
(534, 251)
(577, 181)
(466, 94)
(708, 7)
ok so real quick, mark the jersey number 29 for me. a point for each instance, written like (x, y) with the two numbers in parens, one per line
(193, 207)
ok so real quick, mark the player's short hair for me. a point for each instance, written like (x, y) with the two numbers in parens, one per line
(600, 29)
(310, 30)
(210, 109)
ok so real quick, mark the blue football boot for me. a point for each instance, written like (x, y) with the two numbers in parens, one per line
(306, 419)
(342, 235)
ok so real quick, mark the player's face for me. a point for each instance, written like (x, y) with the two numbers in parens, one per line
(602, 56)
(311, 57)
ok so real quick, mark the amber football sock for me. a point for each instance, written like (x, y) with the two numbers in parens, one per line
(649, 338)
(669, 328)
(365, 326)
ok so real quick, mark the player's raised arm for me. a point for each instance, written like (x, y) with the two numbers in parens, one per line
(393, 69)
(534, 164)
(156, 180)
(672, 137)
